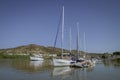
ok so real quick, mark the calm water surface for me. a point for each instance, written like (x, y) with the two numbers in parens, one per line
(36, 70)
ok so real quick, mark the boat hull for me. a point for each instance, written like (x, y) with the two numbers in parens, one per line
(61, 62)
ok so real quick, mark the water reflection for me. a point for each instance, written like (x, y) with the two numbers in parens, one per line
(68, 73)
(82, 73)
(36, 70)
(36, 64)
(31, 66)
(61, 71)
(108, 63)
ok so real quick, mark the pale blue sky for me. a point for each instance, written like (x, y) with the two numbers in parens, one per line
(24, 22)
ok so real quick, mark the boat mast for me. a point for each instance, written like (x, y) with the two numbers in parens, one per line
(84, 45)
(70, 40)
(78, 54)
(62, 31)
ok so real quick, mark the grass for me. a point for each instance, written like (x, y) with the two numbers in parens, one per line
(6, 56)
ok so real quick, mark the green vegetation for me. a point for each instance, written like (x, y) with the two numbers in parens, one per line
(6, 56)
(105, 55)
(116, 53)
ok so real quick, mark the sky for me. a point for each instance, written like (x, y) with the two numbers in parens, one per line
(24, 22)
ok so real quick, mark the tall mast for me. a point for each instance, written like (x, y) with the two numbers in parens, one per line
(62, 31)
(78, 43)
(84, 45)
(70, 40)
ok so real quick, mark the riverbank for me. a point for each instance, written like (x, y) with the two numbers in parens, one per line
(6, 56)
(117, 60)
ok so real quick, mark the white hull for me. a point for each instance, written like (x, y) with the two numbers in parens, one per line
(85, 63)
(90, 63)
(61, 62)
(36, 58)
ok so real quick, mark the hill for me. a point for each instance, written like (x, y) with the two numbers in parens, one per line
(31, 49)
(34, 49)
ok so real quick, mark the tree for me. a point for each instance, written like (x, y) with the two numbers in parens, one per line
(116, 53)
(105, 55)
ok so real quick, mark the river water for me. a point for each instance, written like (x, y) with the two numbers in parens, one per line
(12, 69)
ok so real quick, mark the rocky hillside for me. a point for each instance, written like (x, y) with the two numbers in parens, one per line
(33, 49)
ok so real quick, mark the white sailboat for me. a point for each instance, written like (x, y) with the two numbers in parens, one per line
(62, 62)
(80, 62)
(91, 62)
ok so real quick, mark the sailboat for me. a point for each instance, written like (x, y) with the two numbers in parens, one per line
(36, 57)
(80, 62)
(62, 62)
